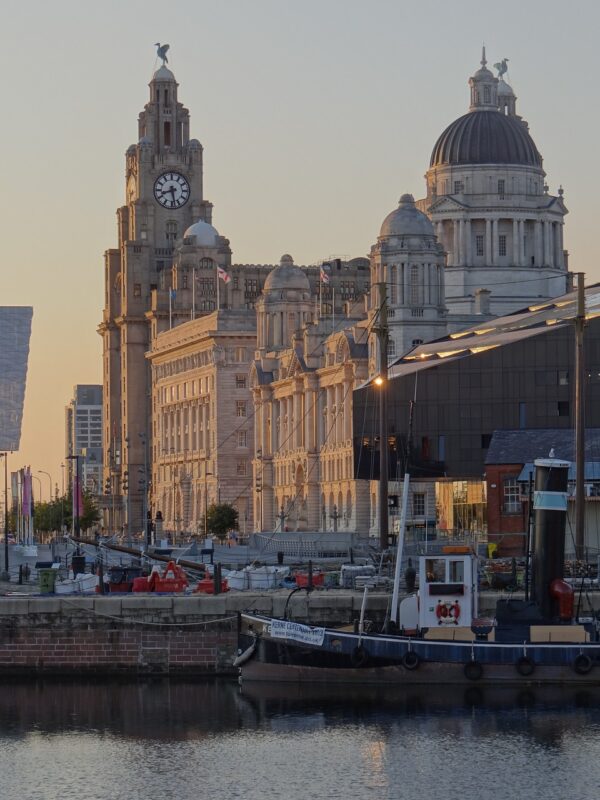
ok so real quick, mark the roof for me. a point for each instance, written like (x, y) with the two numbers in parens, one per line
(534, 320)
(524, 446)
(486, 136)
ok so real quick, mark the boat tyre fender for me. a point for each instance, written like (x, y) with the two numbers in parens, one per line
(359, 656)
(582, 664)
(242, 658)
(473, 670)
(410, 660)
(525, 666)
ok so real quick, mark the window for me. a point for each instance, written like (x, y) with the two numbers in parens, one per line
(486, 438)
(418, 504)
(522, 416)
(414, 285)
(435, 570)
(457, 571)
(171, 231)
(184, 281)
(479, 245)
(241, 468)
(240, 381)
(563, 377)
(563, 408)
(167, 130)
(487, 98)
(502, 245)
(137, 289)
(501, 189)
(391, 349)
(242, 439)
(240, 408)
(512, 502)
(417, 342)
(459, 187)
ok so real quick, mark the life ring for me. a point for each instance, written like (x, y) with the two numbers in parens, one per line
(447, 612)
(441, 610)
(582, 664)
(455, 611)
(410, 660)
(473, 670)
(525, 666)
(359, 656)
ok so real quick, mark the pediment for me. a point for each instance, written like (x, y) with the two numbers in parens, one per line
(446, 203)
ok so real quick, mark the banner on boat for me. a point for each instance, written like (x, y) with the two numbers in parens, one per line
(284, 629)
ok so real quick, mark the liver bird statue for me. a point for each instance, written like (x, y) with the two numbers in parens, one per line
(501, 66)
(161, 52)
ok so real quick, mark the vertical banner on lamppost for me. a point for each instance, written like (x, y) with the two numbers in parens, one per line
(77, 497)
(14, 490)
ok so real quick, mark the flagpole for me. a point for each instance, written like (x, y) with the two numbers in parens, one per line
(218, 292)
(320, 292)
(170, 311)
(333, 308)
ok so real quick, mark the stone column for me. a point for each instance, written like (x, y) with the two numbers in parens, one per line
(309, 423)
(538, 248)
(406, 270)
(515, 233)
(522, 243)
(455, 251)
(548, 260)
(495, 226)
(468, 243)
(560, 262)
(488, 242)
(348, 409)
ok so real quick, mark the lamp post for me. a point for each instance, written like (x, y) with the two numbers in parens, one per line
(43, 472)
(6, 573)
(76, 496)
(206, 474)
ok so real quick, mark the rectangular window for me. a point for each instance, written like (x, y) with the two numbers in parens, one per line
(512, 502)
(241, 468)
(137, 289)
(242, 439)
(501, 189)
(418, 504)
(502, 245)
(240, 408)
(486, 438)
(479, 245)
(563, 377)
(459, 187)
(240, 381)
(522, 416)
(563, 408)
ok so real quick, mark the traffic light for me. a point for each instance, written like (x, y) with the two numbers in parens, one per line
(125, 481)
(107, 486)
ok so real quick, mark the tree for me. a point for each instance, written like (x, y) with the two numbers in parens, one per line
(221, 519)
(50, 516)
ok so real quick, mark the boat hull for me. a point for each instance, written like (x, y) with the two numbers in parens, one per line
(344, 657)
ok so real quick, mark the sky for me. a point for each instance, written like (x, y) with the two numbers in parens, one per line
(315, 116)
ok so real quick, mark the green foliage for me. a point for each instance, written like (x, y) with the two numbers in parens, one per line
(222, 519)
(50, 516)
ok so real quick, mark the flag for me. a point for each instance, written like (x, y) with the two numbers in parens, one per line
(172, 294)
(26, 493)
(224, 276)
(14, 490)
(324, 275)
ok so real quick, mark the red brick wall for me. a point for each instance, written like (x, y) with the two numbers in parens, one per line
(64, 650)
(502, 528)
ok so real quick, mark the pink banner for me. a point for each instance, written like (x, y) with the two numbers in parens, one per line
(26, 492)
(77, 496)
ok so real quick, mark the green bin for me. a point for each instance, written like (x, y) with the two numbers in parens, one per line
(47, 579)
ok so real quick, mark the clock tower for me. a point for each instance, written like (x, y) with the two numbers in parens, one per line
(163, 197)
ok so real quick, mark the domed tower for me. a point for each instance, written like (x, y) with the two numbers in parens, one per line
(490, 206)
(410, 260)
(284, 306)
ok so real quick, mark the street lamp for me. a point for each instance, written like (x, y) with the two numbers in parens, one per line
(76, 497)
(206, 475)
(43, 472)
(5, 456)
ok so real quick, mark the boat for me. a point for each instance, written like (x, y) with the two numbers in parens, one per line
(436, 635)
(80, 584)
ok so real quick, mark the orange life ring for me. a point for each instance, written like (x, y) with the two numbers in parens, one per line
(455, 611)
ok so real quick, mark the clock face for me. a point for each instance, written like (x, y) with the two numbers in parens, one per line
(171, 190)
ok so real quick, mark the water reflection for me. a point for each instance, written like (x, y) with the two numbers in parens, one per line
(168, 738)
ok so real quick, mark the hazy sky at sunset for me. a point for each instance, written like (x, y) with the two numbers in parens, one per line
(315, 116)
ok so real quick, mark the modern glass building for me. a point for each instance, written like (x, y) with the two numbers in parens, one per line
(15, 333)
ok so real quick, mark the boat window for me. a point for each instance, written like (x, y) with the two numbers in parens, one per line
(435, 570)
(457, 572)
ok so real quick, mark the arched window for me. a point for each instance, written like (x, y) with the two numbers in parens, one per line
(394, 285)
(206, 263)
(171, 230)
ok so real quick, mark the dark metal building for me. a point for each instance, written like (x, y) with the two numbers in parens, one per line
(512, 372)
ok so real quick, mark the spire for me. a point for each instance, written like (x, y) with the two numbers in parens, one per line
(483, 61)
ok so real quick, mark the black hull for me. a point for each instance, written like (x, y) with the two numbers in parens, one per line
(378, 659)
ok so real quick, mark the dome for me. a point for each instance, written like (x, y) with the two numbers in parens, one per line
(194, 144)
(504, 89)
(287, 276)
(205, 234)
(406, 220)
(486, 137)
(145, 141)
(163, 74)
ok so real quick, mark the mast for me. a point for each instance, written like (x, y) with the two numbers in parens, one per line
(382, 381)
(580, 419)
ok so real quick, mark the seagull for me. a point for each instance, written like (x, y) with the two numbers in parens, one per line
(161, 52)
